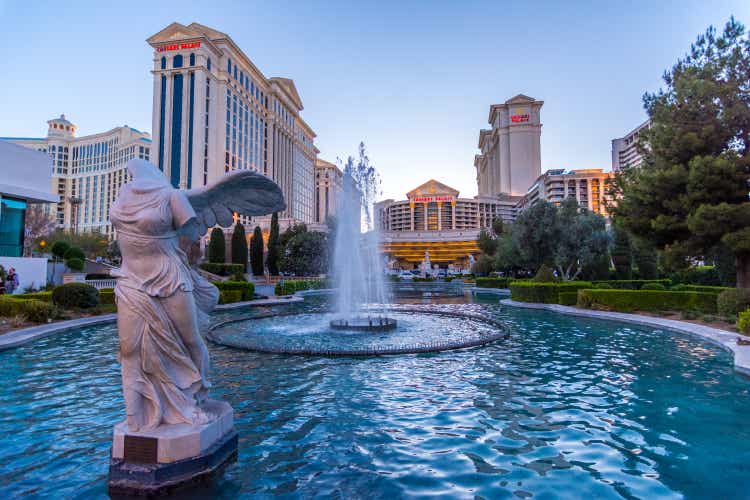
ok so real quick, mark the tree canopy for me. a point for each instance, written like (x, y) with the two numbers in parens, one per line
(690, 195)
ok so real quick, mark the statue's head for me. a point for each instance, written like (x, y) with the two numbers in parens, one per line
(146, 175)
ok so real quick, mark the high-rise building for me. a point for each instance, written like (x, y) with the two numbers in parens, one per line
(625, 150)
(510, 158)
(214, 111)
(87, 172)
(590, 187)
(329, 184)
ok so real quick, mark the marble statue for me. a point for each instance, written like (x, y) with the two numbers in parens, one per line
(162, 302)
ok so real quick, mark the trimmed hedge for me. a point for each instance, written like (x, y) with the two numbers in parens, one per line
(75, 295)
(288, 287)
(647, 300)
(541, 292)
(222, 269)
(43, 296)
(230, 296)
(567, 298)
(245, 288)
(34, 310)
(631, 284)
(701, 288)
(743, 322)
(493, 282)
(731, 302)
(107, 296)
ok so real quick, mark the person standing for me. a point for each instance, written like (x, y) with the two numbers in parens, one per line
(11, 281)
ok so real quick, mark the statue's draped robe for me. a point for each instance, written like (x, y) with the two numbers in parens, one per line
(162, 307)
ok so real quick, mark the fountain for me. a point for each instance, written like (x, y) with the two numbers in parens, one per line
(357, 267)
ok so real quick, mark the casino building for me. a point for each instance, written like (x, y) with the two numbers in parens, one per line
(329, 184)
(590, 188)
(88, 171)
(214, 111)
(434, 219)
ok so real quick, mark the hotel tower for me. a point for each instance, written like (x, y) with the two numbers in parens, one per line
(214, 112)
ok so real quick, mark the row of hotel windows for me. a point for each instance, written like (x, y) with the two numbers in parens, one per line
(245, 129)
(245, 81)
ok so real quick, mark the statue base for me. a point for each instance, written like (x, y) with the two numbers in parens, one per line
(158, 462)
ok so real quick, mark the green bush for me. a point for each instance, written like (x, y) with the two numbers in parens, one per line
(222, 269)
(74, 253)
(43, 296)
(59, 248)
(567, 298)
(245, 288)
(288, 287)
(75, 295)
(545, 293)
(732, 301)
(602, 286)
(217, 249)
(700, 275)
(493, 282)
(230, 296)
(704, 288)
(653, 286)
(647, 300)
(544, 274)
(743, 322)
(631, 284)
(75, 264)
(107, 296)
(34, 310)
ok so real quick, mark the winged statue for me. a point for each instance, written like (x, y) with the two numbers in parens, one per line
(162, 302)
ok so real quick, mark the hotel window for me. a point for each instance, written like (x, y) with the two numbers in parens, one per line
(229, 66)
(163, 62)
(192, 59)
(177, 61)
(208, 64)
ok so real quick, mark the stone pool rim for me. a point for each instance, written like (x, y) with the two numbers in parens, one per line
(502, 334)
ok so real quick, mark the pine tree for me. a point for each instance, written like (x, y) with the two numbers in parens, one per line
(239, 246)
(272, 260)
(217, 246)
(256, 252)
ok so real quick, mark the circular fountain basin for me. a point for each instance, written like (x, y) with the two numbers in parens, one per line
(407, 330)
(364, 324)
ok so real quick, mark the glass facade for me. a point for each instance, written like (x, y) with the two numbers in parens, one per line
(12, 218)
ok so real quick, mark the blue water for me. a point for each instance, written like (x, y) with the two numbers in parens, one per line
(566, 407)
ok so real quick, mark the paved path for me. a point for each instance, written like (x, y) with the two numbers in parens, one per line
(722, 338)
(26, 335)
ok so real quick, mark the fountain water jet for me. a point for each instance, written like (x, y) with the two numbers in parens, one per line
(357, 267)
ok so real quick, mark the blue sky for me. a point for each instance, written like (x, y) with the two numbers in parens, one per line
(414, 80)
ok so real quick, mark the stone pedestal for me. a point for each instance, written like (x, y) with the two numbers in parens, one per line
(172, 456)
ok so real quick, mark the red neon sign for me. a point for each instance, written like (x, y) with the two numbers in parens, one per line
(519, 118)
(178, 46)
(427, 199)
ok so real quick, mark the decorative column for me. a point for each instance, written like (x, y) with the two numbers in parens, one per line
(453, 214)
(590, 202)
(426, 217)
(411, 210)
(440, 215)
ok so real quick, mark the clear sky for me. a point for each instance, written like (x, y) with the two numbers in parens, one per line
(413, 79)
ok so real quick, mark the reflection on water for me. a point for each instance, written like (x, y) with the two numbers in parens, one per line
(565, 407)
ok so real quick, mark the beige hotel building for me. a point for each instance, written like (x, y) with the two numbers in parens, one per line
(88, 171)
(214, 111)
(329, 184)
(590, 187)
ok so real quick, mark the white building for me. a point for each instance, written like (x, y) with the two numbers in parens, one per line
(510, 158)
(625, 151)
(590, 187)
(214, 111)
(87, 172)
(329, 184)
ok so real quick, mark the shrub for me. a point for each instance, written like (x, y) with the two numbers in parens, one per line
(37, 311)
(107, 296)
(647, 300)
(567, 298)
(245, 288)
(483, 265)
(230, 296)
(545, 293)
(731, 302)
(75, 295)
(700, 275)
(653, 286)
(288, 287)
(544, 274)
(705, 288)
(603, 286)
(256, 252)
(217, 251)
(75, 264)
(10, 307)
(59, 248)
(98, 276)
(222, 269)
(239, 245)
(43, 296)
(631, 284)
(74, 253)
(272, 260)
(743, 322)
(493, 282)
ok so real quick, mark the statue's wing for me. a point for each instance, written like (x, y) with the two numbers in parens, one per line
(241, 191)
